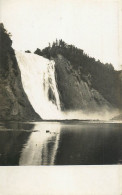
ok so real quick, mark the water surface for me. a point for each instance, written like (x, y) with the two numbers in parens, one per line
(60, 143)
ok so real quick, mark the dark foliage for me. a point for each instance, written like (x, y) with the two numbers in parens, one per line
(103, 77)
(5, 49)
(27, 51)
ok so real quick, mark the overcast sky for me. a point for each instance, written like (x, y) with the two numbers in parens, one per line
(90, 25)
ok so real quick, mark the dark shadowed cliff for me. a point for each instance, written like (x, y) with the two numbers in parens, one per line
(75, 93)
(14, 104)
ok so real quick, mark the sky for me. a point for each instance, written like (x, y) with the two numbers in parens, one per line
(92, 25)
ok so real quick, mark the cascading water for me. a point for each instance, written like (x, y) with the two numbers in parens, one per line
(38, 79)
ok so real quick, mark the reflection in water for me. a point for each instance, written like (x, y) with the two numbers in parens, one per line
(12, 137)
(60, 143)
(42, 145)
(90, 144)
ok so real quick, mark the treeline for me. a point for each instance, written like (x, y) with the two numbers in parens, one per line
(103, 77)
(76, 56)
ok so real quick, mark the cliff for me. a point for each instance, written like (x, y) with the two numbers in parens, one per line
(14, 103)
(76, 93)
(83, 82)
(118, 117)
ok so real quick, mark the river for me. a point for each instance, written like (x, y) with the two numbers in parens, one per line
(60, 143)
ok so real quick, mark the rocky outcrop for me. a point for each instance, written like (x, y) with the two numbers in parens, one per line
(118, 117)
(75, 89)
(14, 103)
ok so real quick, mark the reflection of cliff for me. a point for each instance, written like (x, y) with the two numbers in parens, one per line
(41, 147)
(89, 144)
(12, 141)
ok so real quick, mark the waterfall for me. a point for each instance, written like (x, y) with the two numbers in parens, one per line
(38, 79)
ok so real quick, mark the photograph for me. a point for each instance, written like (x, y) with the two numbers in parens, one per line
(61, 87)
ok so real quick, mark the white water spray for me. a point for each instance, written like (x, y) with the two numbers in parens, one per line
(38, 79)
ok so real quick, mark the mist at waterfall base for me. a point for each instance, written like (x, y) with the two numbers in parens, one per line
(38, 79)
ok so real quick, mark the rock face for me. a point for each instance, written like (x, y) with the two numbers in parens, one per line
(76, 93)
(14, 103)
(118, 117)
(83, 82)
